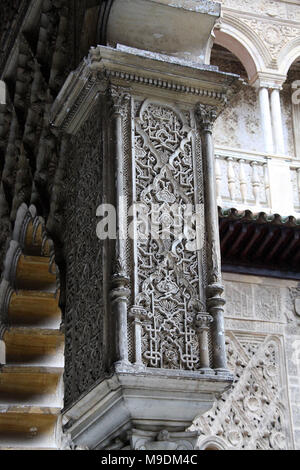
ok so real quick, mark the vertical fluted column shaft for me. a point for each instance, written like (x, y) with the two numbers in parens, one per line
(206, 116)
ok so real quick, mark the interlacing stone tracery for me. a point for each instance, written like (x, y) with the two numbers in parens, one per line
(167, 273)
(251, 415)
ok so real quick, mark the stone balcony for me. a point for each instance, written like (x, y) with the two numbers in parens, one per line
(259, 182)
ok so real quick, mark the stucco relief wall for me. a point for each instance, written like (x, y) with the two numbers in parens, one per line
(239, 125)
(261, 411)
(271, 8)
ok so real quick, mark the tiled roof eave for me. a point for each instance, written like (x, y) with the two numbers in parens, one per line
(260, 241)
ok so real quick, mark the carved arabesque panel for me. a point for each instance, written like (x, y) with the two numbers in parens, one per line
(253, 414)
(83, 253)
(168, 265)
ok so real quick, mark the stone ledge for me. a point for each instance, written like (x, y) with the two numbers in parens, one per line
(142, 75)
(142, 400)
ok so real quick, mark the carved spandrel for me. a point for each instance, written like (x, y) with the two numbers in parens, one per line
(251, 415)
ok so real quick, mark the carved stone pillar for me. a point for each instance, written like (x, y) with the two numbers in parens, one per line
(119, 283)
(206, 116)
(165, 288)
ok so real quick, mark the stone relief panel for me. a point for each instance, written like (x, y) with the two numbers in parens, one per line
(269, 8)
(168, 273)
(254, 414)
(261, 410)
(274, 36)
(84, 310)
(247, 300)
(293, 357)
(239, 124)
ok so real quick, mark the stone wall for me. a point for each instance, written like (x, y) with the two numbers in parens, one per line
(261, 411)
(239, 125)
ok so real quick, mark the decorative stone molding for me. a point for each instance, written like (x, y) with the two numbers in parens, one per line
(106, 65)
(153, 401)
(264, 37)
(269, 8)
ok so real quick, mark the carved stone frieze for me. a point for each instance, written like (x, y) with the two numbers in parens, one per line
(248, 300)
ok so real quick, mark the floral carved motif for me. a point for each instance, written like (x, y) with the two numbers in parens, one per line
(168, 277)
(270, 8)
(275, 36)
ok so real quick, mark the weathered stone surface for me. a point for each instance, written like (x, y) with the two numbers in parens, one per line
(255, 413)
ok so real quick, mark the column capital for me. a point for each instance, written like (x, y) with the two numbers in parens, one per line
(206, 116)
(118, 98)
(203, 321)
(268, 80)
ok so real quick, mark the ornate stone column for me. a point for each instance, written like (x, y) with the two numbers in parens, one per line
(119, 294)
(206, 116)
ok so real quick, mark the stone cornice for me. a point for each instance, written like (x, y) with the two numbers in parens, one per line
(139, 74)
